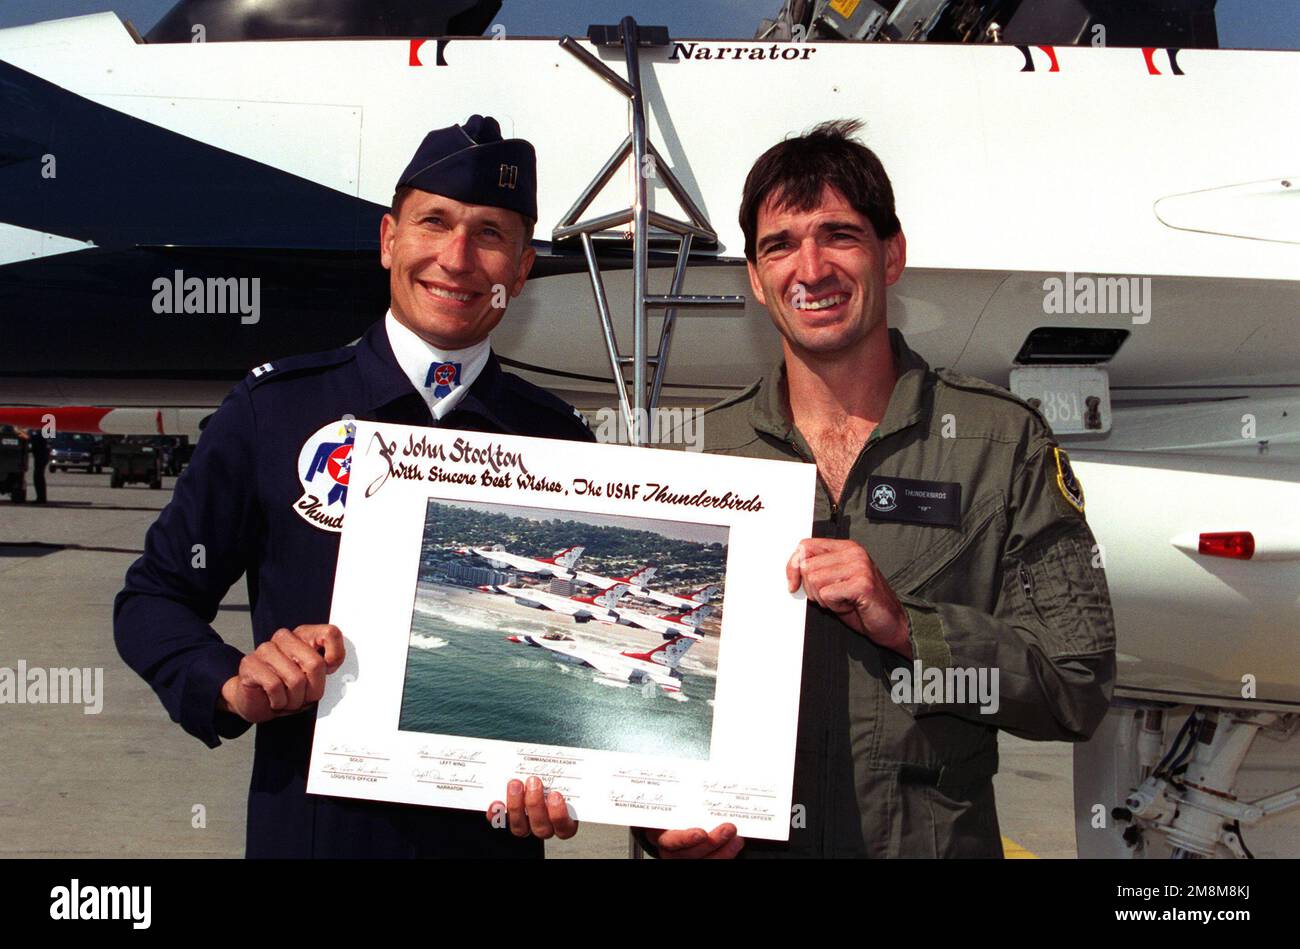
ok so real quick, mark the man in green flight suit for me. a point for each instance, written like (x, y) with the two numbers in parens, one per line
(954, 586)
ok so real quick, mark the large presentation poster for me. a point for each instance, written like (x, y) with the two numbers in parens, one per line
(614, 620)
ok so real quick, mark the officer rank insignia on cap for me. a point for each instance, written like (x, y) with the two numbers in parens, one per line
(474, 164)
(1069, 485)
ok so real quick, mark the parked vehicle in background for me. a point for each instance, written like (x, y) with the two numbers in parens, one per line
(137, 459)
(13, 464)
(70, 450)
(175, 450)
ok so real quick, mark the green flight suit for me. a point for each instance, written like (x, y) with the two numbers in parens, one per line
(1014, 588)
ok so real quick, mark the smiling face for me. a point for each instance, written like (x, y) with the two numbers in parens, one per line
(453, 267)
(823, 272)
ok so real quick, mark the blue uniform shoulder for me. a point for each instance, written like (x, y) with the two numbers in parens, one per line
(291, 367)
(568, 420)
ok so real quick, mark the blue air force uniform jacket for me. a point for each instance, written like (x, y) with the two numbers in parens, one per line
(244, 507)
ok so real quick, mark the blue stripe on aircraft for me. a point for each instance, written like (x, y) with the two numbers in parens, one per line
(122, 182)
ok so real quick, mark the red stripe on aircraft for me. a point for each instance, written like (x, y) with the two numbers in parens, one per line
(67, 418)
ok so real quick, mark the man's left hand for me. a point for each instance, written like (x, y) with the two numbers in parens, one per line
(529, 810)
(841, 576)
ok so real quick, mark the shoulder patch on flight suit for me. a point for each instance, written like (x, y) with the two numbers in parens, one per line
(295, 365)
(1069, 485)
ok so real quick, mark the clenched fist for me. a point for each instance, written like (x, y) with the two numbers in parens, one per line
(285, 674)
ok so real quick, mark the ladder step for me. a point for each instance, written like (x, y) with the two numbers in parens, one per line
(592, 225)
(679, 227)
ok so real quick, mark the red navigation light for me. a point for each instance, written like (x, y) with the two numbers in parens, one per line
(1237, 545)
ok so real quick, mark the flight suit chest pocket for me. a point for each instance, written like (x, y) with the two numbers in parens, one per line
(958, 566)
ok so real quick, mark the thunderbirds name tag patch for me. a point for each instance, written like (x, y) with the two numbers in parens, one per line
(914, 501)
(324, 468)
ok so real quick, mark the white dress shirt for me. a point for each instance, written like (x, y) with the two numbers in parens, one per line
(415, 356)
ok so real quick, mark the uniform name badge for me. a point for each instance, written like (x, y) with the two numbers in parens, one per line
(914, 501)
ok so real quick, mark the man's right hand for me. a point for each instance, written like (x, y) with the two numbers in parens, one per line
(722, 843)
(285, 674)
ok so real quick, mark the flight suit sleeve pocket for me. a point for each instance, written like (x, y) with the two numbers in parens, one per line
(1061, 588)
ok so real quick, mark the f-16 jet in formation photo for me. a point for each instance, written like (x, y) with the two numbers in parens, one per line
(560, 565)
(581, 608)
(605, 609)
(657, 666)
(621, 669)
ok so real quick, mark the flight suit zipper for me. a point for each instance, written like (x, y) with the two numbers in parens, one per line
(831, 673)
(835, 512)
(848, 478)
(835, 508)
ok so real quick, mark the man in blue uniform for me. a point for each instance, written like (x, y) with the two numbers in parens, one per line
(265, 496)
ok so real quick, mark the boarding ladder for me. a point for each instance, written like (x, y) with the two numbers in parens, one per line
(645, 388)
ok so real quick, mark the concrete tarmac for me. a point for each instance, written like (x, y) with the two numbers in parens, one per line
(127, 782)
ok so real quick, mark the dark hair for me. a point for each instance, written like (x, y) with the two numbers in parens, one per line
(399, 196)
(797, 170)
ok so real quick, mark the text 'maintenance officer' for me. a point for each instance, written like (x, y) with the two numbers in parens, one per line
(266, 491)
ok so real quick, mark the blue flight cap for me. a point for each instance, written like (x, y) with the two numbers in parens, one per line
(474, 164)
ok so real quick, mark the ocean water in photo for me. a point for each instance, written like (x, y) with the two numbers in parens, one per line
(463, 677)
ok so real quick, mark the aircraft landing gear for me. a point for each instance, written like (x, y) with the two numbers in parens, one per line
(1189, 797)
